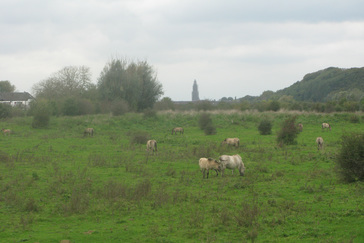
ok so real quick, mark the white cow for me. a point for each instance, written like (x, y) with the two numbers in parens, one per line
(231, 162)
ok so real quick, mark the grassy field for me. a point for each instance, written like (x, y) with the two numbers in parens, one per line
(56, 184)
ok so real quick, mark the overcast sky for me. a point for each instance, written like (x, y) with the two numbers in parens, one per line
(232, 48)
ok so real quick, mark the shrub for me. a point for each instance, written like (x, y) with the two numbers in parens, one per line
(70, 107)
(350, 160)
(165, 104)
(288, 133)
(354, 119)
(265, 127)
(139, 137)
(5, 110)
(274, 105)
(204, 105)
(210, 129)
(41, 115)
(149, 113)
(205, 123)
(204, 120)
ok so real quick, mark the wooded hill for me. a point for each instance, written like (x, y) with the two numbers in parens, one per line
(324, 85)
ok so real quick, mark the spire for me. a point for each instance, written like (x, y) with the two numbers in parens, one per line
(195, 96)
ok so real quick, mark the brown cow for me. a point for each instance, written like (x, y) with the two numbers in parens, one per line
(326, 126)
(177, 129)
(207, 165)
(232, 141)
(88, 131)
(6, 131)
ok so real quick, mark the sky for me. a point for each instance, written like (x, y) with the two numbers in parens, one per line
(232, 48)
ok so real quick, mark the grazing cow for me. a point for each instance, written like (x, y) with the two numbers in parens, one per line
(6, 131)
(300, 127)
(177, 129)
(207, 165)
(152, 146)
(231, 141)
(88, 131)
(326, 125)
(231, 162)
(320, 142)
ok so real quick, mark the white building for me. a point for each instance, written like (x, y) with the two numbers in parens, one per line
(16, 98)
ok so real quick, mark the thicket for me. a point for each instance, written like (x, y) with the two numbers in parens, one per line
(5, 111)
(265, 127)
(350, 159)
(288, 133)
(205, 124)
(138, 137)
(41, 114)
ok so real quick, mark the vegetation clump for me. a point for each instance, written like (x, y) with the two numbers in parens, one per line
(139, 137)
(354, 119)
(5, 110)
(41, 115)
(288, 133)
(205, 124)
(350, 160)
(265, 127)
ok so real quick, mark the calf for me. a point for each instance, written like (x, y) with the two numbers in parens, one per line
(207, 165)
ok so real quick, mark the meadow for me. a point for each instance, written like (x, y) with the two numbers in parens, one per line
(57, 184)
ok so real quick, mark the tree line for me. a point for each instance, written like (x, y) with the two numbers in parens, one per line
(124, 86)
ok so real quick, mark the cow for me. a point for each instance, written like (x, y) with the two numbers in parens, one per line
(177, 129)
(6, 131)
(207, 165)
(231, 162)
(320, 142)
(88, 131)
(231, 141)
(326, 126)
(152, 146)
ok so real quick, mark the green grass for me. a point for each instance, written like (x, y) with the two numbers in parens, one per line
(57, 184)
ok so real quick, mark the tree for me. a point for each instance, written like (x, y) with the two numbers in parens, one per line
(164, 104)
(71, 81)
(5, 86)
(136, 83)
(274, 105)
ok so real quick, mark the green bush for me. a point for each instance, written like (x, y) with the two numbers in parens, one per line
(5, 110)
(139, 137)
(350, 160)
(204, 120)
(265, 127)
(274, 105)
(210, 129)
(70, 107)
(288, 133)
(205, 124)
(149, 113)
(354, 119)
(41, 115)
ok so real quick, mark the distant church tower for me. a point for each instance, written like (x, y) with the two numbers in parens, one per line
(195, 96)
